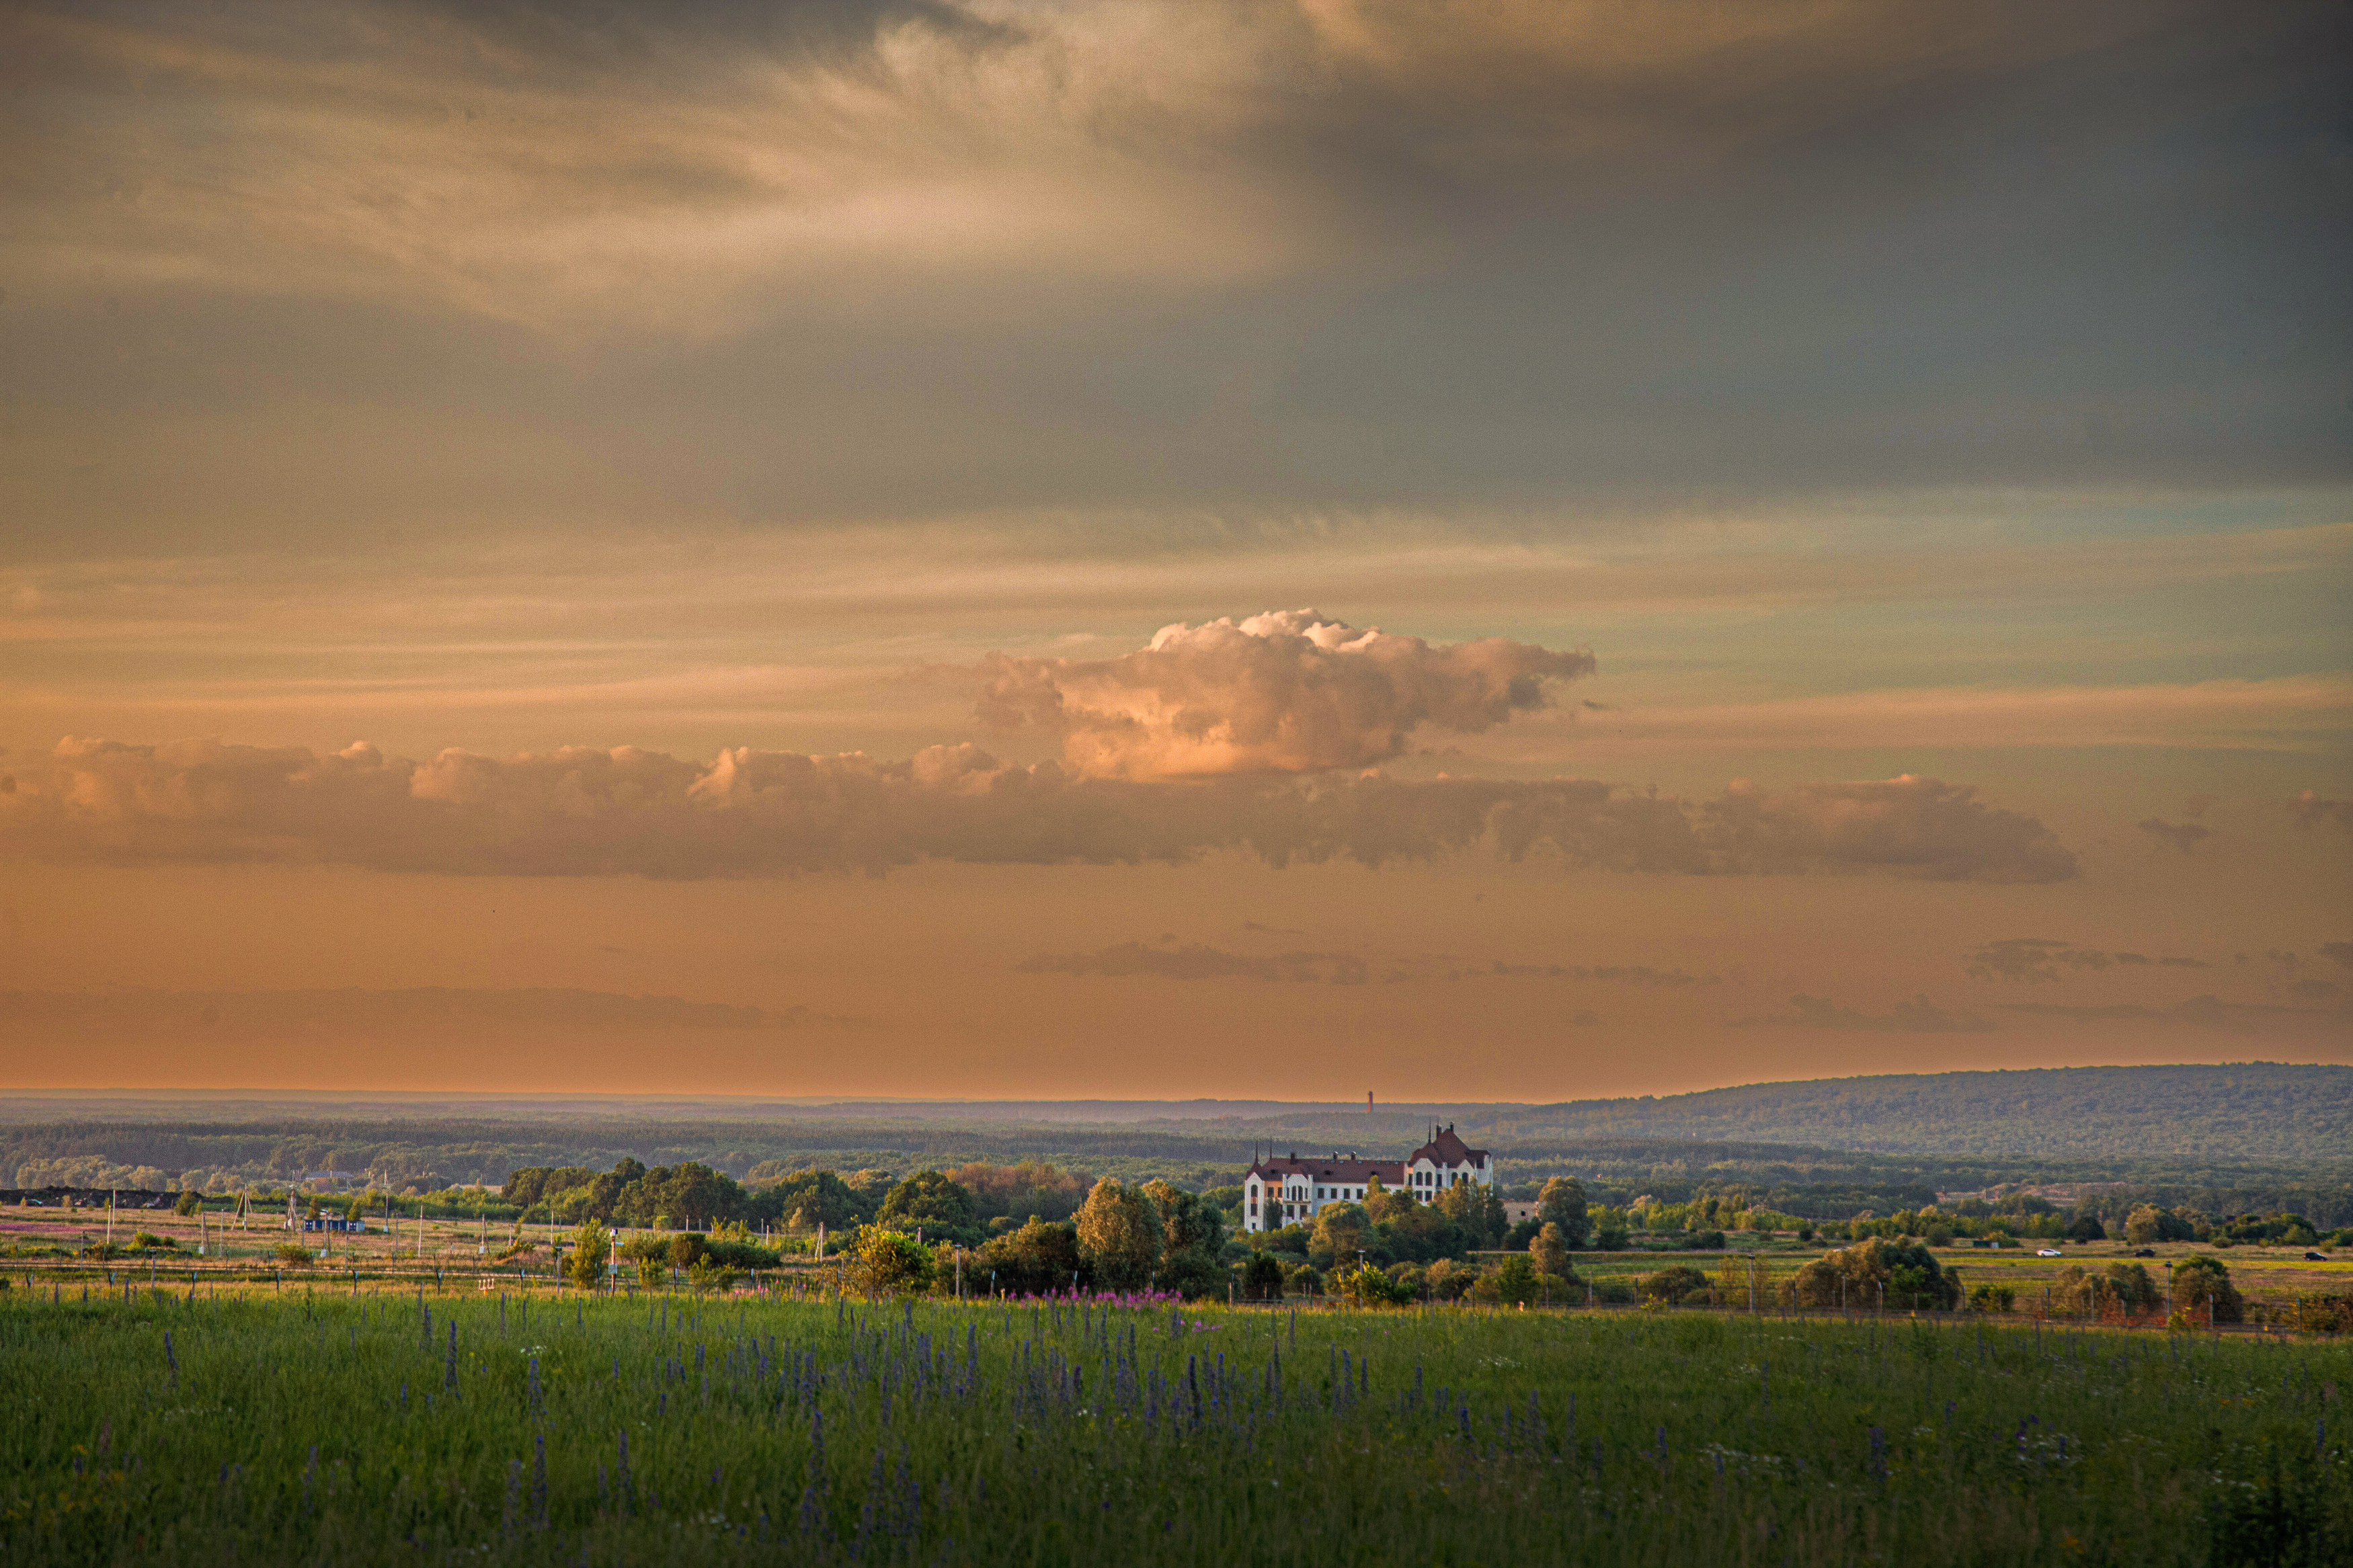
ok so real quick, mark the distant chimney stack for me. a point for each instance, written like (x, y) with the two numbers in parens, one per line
(1368, 1102)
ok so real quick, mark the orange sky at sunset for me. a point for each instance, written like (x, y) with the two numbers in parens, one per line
(1254, 551)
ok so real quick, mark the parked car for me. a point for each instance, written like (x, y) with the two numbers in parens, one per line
(2314, 1258)
(2145, 1252)
(2048, 1252)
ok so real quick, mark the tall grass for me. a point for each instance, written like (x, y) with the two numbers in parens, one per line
(421, 1429)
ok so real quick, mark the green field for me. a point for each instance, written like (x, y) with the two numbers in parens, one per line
(146, 1424)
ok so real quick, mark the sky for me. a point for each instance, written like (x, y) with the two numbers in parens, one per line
(1274, 550)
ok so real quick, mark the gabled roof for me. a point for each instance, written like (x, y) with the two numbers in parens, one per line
(1334, 1168)
(1445, 1148)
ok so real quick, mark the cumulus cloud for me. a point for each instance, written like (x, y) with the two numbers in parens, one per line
(2184, 838)
(1917, 1017)
(577, 811)
(2313, 810)
(1287, 692)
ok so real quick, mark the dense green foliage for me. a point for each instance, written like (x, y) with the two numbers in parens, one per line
(363, 1429)
(2256, 1138)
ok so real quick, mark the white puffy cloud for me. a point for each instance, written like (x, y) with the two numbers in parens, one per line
(1286, 692)
(579, 811)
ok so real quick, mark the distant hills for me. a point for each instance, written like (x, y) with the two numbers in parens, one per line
(2253, 1112)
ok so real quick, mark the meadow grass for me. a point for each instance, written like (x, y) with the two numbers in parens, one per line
(147, 1426)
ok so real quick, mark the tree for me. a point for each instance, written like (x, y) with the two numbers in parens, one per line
(1041, 1257)
(814, 1198)
(1562, 1204)
(1449, 1280)
(1380, 1204)
(187, 1203)
(2124, 1288)
(1192, 1235)
(1119, 1235)
(2201, 1279)
(1262, 1278)
(2087, 1228)
(931, 1201)
(1853, 1276)
(1549, 1251)
(1476, 1209)
(2148, 1224)
(888, 1263)
(1340, 1233)
(1513, 1281)
(589, 1243)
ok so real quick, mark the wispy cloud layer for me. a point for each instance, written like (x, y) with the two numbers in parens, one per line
(1917, 1017)
(580, 812)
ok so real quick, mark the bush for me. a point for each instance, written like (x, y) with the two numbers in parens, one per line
(889, 1262)
(1993, 1299)
(188, 1204)
(1675, 1285)
(1708, 1241)
(709, 1274)
(147, 1240)
(1261, 1277)
(1368, 1285)
(294, 1255)
(2325, 1314)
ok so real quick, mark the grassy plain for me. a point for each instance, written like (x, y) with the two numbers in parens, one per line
(370, 1424)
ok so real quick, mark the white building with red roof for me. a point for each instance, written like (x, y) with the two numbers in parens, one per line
(1288, 1190)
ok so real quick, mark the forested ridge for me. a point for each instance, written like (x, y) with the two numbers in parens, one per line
(2223, 1138)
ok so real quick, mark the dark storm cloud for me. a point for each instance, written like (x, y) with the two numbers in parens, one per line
(880, 261)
